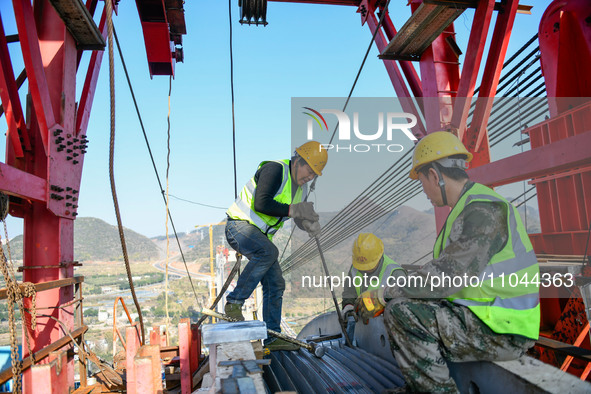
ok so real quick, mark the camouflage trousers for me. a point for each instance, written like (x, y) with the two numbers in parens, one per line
(426, 333)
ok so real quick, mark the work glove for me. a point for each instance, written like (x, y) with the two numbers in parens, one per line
(370, 304)
(304, 211)
(313, 228)
(351, 318)
(349, 311)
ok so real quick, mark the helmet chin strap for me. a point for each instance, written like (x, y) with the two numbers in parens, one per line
(441, 183)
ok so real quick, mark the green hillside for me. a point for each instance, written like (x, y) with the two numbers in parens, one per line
(96, 240)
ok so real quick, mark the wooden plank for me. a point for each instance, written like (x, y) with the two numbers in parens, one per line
(53, 284)
(6, 374)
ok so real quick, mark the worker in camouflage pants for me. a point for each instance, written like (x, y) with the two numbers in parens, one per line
(478, 298)
(421, 331)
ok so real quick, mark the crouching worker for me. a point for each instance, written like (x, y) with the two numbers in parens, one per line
(370, 269)
(484, 318)
(273, 195)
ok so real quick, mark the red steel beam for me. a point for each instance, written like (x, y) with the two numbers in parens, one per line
(35, 71)
(354, 3)
(472, 60)
(492, 72)
(395, 75)
(87, 96)
(22, 184)
(10, 99)
(561, 155)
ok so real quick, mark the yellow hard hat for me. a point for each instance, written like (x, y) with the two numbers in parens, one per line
(367, 252)
(314, 154)
(435, 146)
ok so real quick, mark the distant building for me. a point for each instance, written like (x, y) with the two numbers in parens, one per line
(103, 316)
(108, 289)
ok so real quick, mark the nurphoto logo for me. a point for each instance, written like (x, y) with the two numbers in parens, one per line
(391, 125)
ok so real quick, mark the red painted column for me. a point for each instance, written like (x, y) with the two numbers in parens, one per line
(154, 374)
(142, 368)
(50, 60)
(52, 376)
(155, 336)
(184, 355)
(195, 351)
(132, 342)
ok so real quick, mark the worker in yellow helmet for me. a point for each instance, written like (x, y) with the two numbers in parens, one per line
(275, 193)
(370, 269)
(477, 313)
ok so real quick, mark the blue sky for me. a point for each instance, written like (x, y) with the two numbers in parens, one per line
(305, 51)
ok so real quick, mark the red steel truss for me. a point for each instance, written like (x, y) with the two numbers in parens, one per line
(45, 151)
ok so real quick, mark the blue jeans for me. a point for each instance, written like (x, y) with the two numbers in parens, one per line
(262, 267)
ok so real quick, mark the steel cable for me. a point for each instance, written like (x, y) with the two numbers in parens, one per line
(162, 192)
(313, 185)
(109, 6)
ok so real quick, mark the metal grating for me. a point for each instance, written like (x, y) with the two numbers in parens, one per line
(79, 23)
(423, 27)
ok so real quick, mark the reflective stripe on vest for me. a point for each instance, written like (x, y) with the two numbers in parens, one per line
(506, 299)
(388, 267)
(243, 206)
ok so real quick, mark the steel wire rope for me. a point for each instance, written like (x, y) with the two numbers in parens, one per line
(522, 194)
(313, 185)
(349, 227)
(506, 128)
(349, 230)
(511, 59)
(497, 117)
(536, 74)
(526, 200)
(109, 6)
(236, 269)
(525, 59)
(520, 130)
(531, 114)
(370, 211)
(383, 181)
(359, 207)
(356, 226)
(535, 107)
(342, 230)
(422, 257)
(499, 105)
(166, 213)
(196, 203)
(510, 72)
(353, 203)
(137, 110)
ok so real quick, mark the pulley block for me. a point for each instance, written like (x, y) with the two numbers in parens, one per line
(253, 12)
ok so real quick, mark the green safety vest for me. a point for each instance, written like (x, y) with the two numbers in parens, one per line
(243, 207)
(388, 267)
(507, 299)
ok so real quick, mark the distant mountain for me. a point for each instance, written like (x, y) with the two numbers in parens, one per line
(96, 240)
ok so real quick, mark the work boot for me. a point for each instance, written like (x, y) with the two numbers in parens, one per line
(234, 311)
(281, 344)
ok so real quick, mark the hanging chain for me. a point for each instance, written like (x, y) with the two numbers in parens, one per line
(15, 296)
